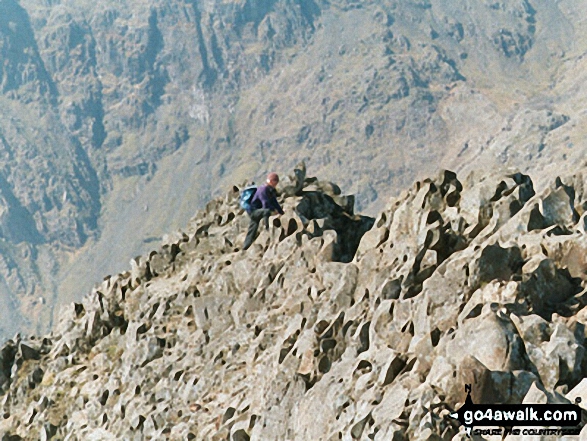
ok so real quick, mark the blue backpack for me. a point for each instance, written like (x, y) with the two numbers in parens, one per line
(246, 197)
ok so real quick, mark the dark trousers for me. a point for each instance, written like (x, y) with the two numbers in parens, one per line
(256, 216)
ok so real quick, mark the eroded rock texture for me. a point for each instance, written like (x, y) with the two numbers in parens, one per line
(331, 326)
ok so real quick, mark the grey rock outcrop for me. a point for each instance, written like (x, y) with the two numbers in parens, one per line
(331, 326)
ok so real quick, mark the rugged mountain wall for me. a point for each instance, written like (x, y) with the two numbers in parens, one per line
(120, 118)
(478, 281)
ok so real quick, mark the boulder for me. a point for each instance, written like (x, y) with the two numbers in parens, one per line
(491, 338)
(556, 207)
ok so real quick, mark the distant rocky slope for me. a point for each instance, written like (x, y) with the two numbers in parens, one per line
(331, 326)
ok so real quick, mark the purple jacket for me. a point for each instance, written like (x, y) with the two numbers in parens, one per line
(266, 197)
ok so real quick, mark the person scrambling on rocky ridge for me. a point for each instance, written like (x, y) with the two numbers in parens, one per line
(263, 204)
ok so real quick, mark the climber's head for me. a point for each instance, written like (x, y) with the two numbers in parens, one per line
(272, 179)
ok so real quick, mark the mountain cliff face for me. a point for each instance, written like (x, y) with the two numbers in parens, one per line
(331, 326)
(96, 97)
(121, 118)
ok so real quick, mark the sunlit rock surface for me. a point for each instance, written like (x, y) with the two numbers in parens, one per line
(331, 326)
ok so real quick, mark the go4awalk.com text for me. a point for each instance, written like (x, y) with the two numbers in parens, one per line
(523, 415)
(519, 419)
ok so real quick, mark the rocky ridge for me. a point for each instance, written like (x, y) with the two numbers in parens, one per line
(110, 107)
(374, 325)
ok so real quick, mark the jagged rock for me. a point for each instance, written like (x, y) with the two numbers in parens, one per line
(392, 405)
(556, 208)
(535, 395)
(578, 392)
(297, 181)
(7, 359)
(495, 263)
(553, 349)
(253, 345)
(493, 293)
(492, 338)
(139, 270)
(545, 286)
(27, 352)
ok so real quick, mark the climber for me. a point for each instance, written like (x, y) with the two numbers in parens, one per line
(263, 205)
